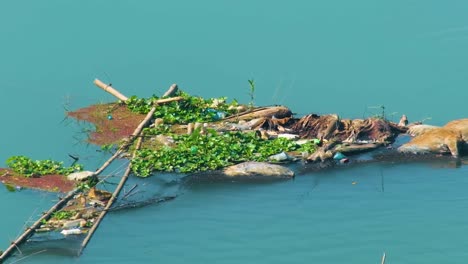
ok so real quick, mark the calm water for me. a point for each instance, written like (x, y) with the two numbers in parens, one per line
(325, 57)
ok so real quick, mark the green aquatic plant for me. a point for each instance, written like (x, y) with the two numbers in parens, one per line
(28, 167)
(10, 188)
(309, 147)
(190, 109)
(251, 92)
(109, 148)
(88, 183)
(63, 215)
(210, 151)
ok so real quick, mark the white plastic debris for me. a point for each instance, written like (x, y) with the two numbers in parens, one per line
(74, 231)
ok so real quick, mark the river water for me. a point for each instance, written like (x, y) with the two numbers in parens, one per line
(344, 57)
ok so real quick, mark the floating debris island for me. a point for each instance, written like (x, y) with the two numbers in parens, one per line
(191, 134)
(194, 136)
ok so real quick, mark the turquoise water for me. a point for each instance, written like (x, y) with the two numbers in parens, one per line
(324, 57)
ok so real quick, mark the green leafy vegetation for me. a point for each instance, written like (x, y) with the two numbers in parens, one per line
(87, 184)
(10, 187)
(63, 215)
(210, 151)
(109, 148)
(191, 109)
(28, 167)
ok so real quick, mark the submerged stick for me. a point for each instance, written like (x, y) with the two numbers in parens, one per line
(383, 258)
(110, 90)
(35, 225)
(130, 191)
(382, 182)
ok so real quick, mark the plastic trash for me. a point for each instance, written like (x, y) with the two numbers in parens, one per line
(220, 115)
(194, 149)
(279, 157)
(344, 161)
(339, 156)
(217, 115)
(74, 231)
(283, 156)
(288, 136)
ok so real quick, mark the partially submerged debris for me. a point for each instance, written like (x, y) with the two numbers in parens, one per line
(78, 215)
(196, 134)
(258, 170)
(449, 139)
(80, 176)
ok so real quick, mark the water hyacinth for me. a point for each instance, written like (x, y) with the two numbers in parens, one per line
(211, 151)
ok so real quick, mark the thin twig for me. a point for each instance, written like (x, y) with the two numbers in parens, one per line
(128, 193)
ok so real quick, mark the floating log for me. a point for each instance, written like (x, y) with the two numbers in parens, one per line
(35, 225)
(110, 89)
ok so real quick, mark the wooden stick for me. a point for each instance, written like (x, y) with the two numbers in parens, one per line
(35, 225)
(111, 200)
(168, 100)
(172, 90)
(110, 90)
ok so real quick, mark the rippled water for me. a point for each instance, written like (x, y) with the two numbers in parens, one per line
(324, 57)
